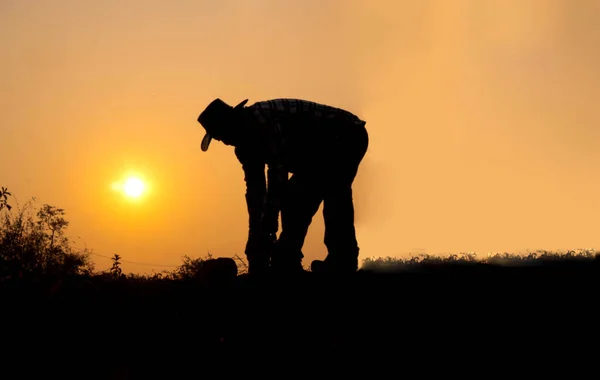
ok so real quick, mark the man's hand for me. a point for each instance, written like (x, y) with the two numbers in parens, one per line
(270, 223)
(260, 246)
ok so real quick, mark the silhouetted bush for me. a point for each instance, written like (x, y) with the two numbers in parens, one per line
(4, 199)
(34, 244)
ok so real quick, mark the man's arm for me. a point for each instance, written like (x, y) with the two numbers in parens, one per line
(276, 180)
(256, 190)
(259, 241)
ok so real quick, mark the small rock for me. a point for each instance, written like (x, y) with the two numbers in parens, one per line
(217, 270)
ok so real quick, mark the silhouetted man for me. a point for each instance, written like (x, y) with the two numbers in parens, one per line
(322, 147)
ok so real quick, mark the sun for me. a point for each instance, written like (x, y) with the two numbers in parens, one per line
(134, 187)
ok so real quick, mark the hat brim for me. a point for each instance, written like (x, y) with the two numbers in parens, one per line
(242, 104)
(205, 142)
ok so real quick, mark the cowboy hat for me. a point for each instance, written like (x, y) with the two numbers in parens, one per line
(214, 117)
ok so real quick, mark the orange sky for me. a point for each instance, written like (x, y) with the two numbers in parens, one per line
(484, 130)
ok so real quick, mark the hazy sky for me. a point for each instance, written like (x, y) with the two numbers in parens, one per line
(482, 114)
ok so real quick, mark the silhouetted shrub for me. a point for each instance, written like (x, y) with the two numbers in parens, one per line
(34, 244)
(4, 199)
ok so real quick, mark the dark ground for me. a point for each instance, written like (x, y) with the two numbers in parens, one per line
(480, 320)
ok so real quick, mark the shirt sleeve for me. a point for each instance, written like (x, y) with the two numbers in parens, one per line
(266, 116)
(256, 189)
(277, 178)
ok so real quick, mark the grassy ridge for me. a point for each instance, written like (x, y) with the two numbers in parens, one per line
(536, 258)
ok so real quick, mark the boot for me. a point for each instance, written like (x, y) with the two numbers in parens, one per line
(284, 262)
(286, 267)
(329, 266)
(258, 267)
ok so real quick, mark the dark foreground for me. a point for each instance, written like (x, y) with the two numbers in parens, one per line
(442, 321)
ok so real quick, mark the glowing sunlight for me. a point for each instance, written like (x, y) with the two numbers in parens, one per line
(132, 187)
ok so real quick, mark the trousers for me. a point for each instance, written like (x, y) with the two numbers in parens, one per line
(326, 178)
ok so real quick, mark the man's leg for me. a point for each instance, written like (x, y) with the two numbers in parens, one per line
(301, 202)
(338, 204)
(340, 234)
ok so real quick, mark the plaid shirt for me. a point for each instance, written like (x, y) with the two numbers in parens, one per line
(281, 119)
(306, 117)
